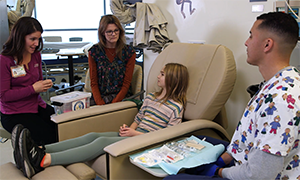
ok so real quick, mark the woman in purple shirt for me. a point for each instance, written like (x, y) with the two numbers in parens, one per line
(22, 81)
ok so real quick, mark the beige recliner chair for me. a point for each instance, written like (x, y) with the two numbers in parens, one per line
(212, 76)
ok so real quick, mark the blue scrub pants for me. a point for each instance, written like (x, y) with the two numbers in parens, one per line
(185, 176)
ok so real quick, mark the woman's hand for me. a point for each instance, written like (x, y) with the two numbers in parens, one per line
(126, 131)
(42, 85)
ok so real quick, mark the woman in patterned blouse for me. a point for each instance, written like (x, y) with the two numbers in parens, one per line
(111, 63)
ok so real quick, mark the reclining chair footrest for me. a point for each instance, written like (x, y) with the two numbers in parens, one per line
(11, 172)
(78, 171)
(81, 171)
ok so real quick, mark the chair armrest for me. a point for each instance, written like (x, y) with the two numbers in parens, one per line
(92, 111)
(135, 95)
(130, 144)
(68, 89)
(105, 118)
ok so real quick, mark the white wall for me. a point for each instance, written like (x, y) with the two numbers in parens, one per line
(224, 22)
(11, 3)
(4, 32)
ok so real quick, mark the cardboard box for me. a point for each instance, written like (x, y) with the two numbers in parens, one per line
(70, 101)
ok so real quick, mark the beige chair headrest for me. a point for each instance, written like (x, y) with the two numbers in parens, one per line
(212, 76)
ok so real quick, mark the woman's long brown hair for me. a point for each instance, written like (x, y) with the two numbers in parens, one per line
(15, 44)
(104, 22)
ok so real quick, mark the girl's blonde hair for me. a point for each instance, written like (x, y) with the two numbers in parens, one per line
(176, 82)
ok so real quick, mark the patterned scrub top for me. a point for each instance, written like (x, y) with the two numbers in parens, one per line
(271, 123)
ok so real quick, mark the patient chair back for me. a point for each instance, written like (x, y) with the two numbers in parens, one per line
(212, 74)
(136, 81)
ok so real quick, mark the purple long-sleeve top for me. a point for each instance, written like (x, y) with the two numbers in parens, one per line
(17, 94)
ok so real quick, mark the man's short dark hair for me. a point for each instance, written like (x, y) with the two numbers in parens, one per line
(282, 24)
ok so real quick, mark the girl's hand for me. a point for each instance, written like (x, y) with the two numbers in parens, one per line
(123, 127)
(126, 131)
(42, 85)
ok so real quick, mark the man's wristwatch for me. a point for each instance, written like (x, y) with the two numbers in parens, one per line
(217, 171)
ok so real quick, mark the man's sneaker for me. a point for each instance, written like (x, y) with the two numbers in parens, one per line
(31, 154)
(15, 135)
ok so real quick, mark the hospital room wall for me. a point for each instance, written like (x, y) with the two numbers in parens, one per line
(225, 22)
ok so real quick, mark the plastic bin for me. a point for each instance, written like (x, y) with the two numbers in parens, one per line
(72, 101)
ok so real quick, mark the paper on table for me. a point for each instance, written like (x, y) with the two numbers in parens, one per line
(70, 51)
(207, 155)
